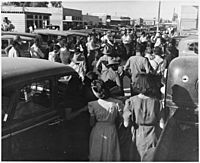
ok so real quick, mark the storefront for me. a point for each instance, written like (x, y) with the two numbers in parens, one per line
(37, 20)
(24, 18)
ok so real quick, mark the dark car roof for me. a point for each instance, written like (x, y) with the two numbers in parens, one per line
(8, 36)
(99, 30)
(58, 33)
(20, 34)
(19, 70)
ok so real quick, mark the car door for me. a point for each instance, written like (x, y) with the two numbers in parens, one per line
(32, 120)
(7, 100)
(75, 133)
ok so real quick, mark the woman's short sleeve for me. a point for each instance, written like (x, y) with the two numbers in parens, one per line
(91, 109)
(121, 105)
(127, 112)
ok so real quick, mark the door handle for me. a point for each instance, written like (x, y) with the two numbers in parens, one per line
(56, 122)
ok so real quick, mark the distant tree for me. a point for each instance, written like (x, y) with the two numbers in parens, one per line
(56, 4)
(11, 4)
(39, 4)
(26, 4)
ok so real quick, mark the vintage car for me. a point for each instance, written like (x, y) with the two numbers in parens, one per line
(179, 140)
(188, 45)
(27, 40)
(48, 34)
(33, 128)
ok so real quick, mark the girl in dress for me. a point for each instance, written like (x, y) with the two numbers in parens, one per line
(144, 111)
(104, 144)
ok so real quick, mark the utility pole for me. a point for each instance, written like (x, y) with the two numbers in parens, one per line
(158, 16)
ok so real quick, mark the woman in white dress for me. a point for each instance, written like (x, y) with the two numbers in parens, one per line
(104, 143)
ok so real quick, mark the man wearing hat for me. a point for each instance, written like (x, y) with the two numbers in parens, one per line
(17, 39)
(103, 60)
(14, 51)
(127, 41)
(171, 52)
(35, 49)
(107, 38)
(111, 77)
(7, 25)
(92, 48)
(78, 63)
(137, 65)
(64, 52)
(157, 61)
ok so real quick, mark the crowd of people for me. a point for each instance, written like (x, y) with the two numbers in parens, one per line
(124, 128)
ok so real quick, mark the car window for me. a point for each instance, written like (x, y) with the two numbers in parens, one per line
(191, 46)
(34, 98)
(4, 44)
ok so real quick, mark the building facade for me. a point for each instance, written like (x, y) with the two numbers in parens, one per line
(90, 20)
(188, 18)
(105, 19)
(149, 22)
(72, 19)
(24, 18)
(120, 21)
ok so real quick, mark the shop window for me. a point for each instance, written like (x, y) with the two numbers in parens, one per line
(29, 16)
(40, 24)
(45, 17)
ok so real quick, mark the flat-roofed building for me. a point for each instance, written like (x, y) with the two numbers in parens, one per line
(23, 17)
(91, 20)
(120, 21)
(104, 18)
(188, 16)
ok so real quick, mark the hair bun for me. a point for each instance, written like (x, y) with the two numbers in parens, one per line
(99, 88)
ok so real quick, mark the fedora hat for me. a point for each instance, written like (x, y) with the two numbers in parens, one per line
(107, 50)
(112, 62)
(78, 58)
(18, 39)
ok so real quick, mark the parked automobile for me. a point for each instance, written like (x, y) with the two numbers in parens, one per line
(27, 39)
(54, 27)
(33, 93)
(48, 34)
(188, 45)
(179, 140)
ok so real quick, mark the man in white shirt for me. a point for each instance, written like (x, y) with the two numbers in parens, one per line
(107, 38)
(143, 43)
(14, 51)
(35, 50)
(127, 41)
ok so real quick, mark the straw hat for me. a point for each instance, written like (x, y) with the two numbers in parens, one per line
(78, 58)
(99, 89)
(112, 62)
(107, 50)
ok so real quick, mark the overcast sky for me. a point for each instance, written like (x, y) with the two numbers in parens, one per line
(133, 8)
